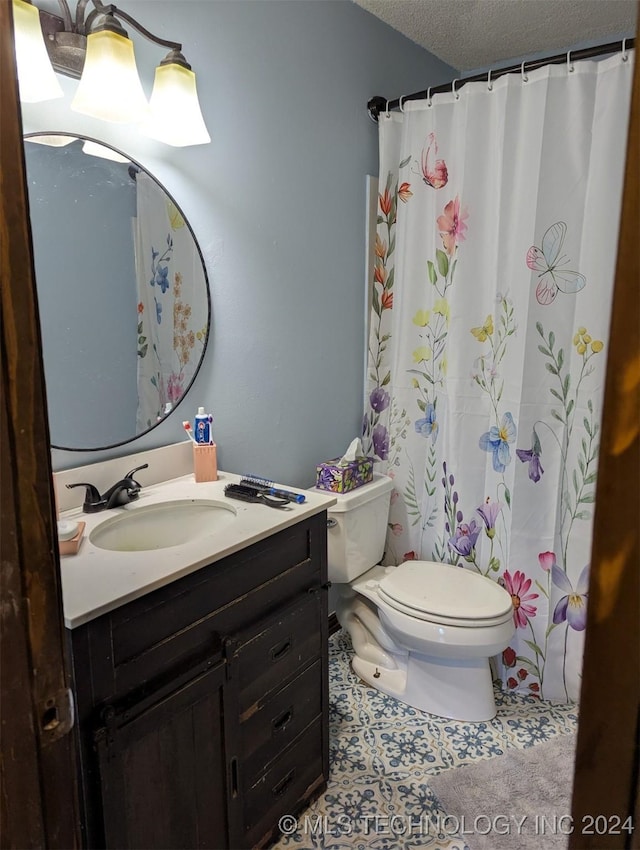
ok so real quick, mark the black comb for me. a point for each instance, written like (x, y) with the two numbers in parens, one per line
(251, 494)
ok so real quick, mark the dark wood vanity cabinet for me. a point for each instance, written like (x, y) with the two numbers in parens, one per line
(203, 705)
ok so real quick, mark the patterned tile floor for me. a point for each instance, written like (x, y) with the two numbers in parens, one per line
(383, 753)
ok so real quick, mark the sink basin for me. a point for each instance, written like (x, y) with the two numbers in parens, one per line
(162, 525)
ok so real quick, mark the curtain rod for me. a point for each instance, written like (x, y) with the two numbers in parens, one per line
(378, 104)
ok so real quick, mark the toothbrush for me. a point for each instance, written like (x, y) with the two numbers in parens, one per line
(187, 427)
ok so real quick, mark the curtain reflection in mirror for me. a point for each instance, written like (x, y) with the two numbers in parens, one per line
(169, 276)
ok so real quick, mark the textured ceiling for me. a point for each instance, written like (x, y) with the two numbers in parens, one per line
(474, 34)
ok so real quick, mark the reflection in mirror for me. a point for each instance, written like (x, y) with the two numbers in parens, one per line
(122, 292)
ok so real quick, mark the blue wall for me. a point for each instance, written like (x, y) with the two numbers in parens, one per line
(277, 202)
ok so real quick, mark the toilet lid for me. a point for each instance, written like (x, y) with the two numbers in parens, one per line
(443, 593)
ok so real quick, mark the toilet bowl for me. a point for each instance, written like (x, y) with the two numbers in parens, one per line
(423, 631)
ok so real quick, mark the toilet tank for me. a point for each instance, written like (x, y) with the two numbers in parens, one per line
(357, 529)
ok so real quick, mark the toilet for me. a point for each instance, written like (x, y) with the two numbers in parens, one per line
(422, 632)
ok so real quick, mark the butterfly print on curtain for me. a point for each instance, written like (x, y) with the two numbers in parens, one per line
(548, 260)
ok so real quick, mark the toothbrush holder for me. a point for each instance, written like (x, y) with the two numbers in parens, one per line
(205, 462)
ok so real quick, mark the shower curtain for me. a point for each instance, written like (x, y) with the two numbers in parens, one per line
(170, 286)
(497, 223)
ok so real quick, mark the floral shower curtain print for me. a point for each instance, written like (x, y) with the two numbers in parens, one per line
(494, 264)
(172, 310)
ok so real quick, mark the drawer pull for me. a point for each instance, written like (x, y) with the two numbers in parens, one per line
(280, 723)
(280, 650)
(318, 587)
(280, 787)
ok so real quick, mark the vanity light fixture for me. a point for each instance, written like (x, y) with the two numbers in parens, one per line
(97, 50)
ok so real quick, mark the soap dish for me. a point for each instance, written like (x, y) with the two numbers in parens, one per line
(70, 547)
(67, 529)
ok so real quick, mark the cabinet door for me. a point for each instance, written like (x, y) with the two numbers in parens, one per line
(162, 766)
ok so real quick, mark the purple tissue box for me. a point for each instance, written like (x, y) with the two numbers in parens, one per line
(338, 478)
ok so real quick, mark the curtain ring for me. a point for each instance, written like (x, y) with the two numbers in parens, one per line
(525, 78)
(429, 97)
(569, 62)
(625, 55)
(400, 104)
(453, 89)
(387, 113)
(489, 83)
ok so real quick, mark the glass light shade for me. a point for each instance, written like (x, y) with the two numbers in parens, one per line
(96, 149)
(110, 87)
(175, 116)
(53, 141)
(35, 74)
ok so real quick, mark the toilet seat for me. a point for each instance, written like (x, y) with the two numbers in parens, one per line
(441, 593)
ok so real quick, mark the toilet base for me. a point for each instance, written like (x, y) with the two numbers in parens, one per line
(458, 689)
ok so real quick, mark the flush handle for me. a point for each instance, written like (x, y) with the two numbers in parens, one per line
(331, 523)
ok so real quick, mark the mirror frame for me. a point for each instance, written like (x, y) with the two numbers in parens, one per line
(204, 269)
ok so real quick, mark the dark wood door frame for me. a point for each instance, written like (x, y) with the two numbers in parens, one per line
(38, 805)
(607, 758)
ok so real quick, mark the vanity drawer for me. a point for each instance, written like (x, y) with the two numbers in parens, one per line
(275, 650)
(292, 782)
(269, 726)
(170, 610)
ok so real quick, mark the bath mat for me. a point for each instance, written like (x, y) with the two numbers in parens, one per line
(517, 801)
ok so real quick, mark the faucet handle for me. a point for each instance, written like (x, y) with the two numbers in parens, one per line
(93, 501)
(133, 472)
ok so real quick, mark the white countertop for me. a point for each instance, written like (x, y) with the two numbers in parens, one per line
(95, 581)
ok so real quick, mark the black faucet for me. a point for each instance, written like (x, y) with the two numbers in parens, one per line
(124, 491)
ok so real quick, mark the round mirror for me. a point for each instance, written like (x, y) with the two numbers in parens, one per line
(122, 291)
